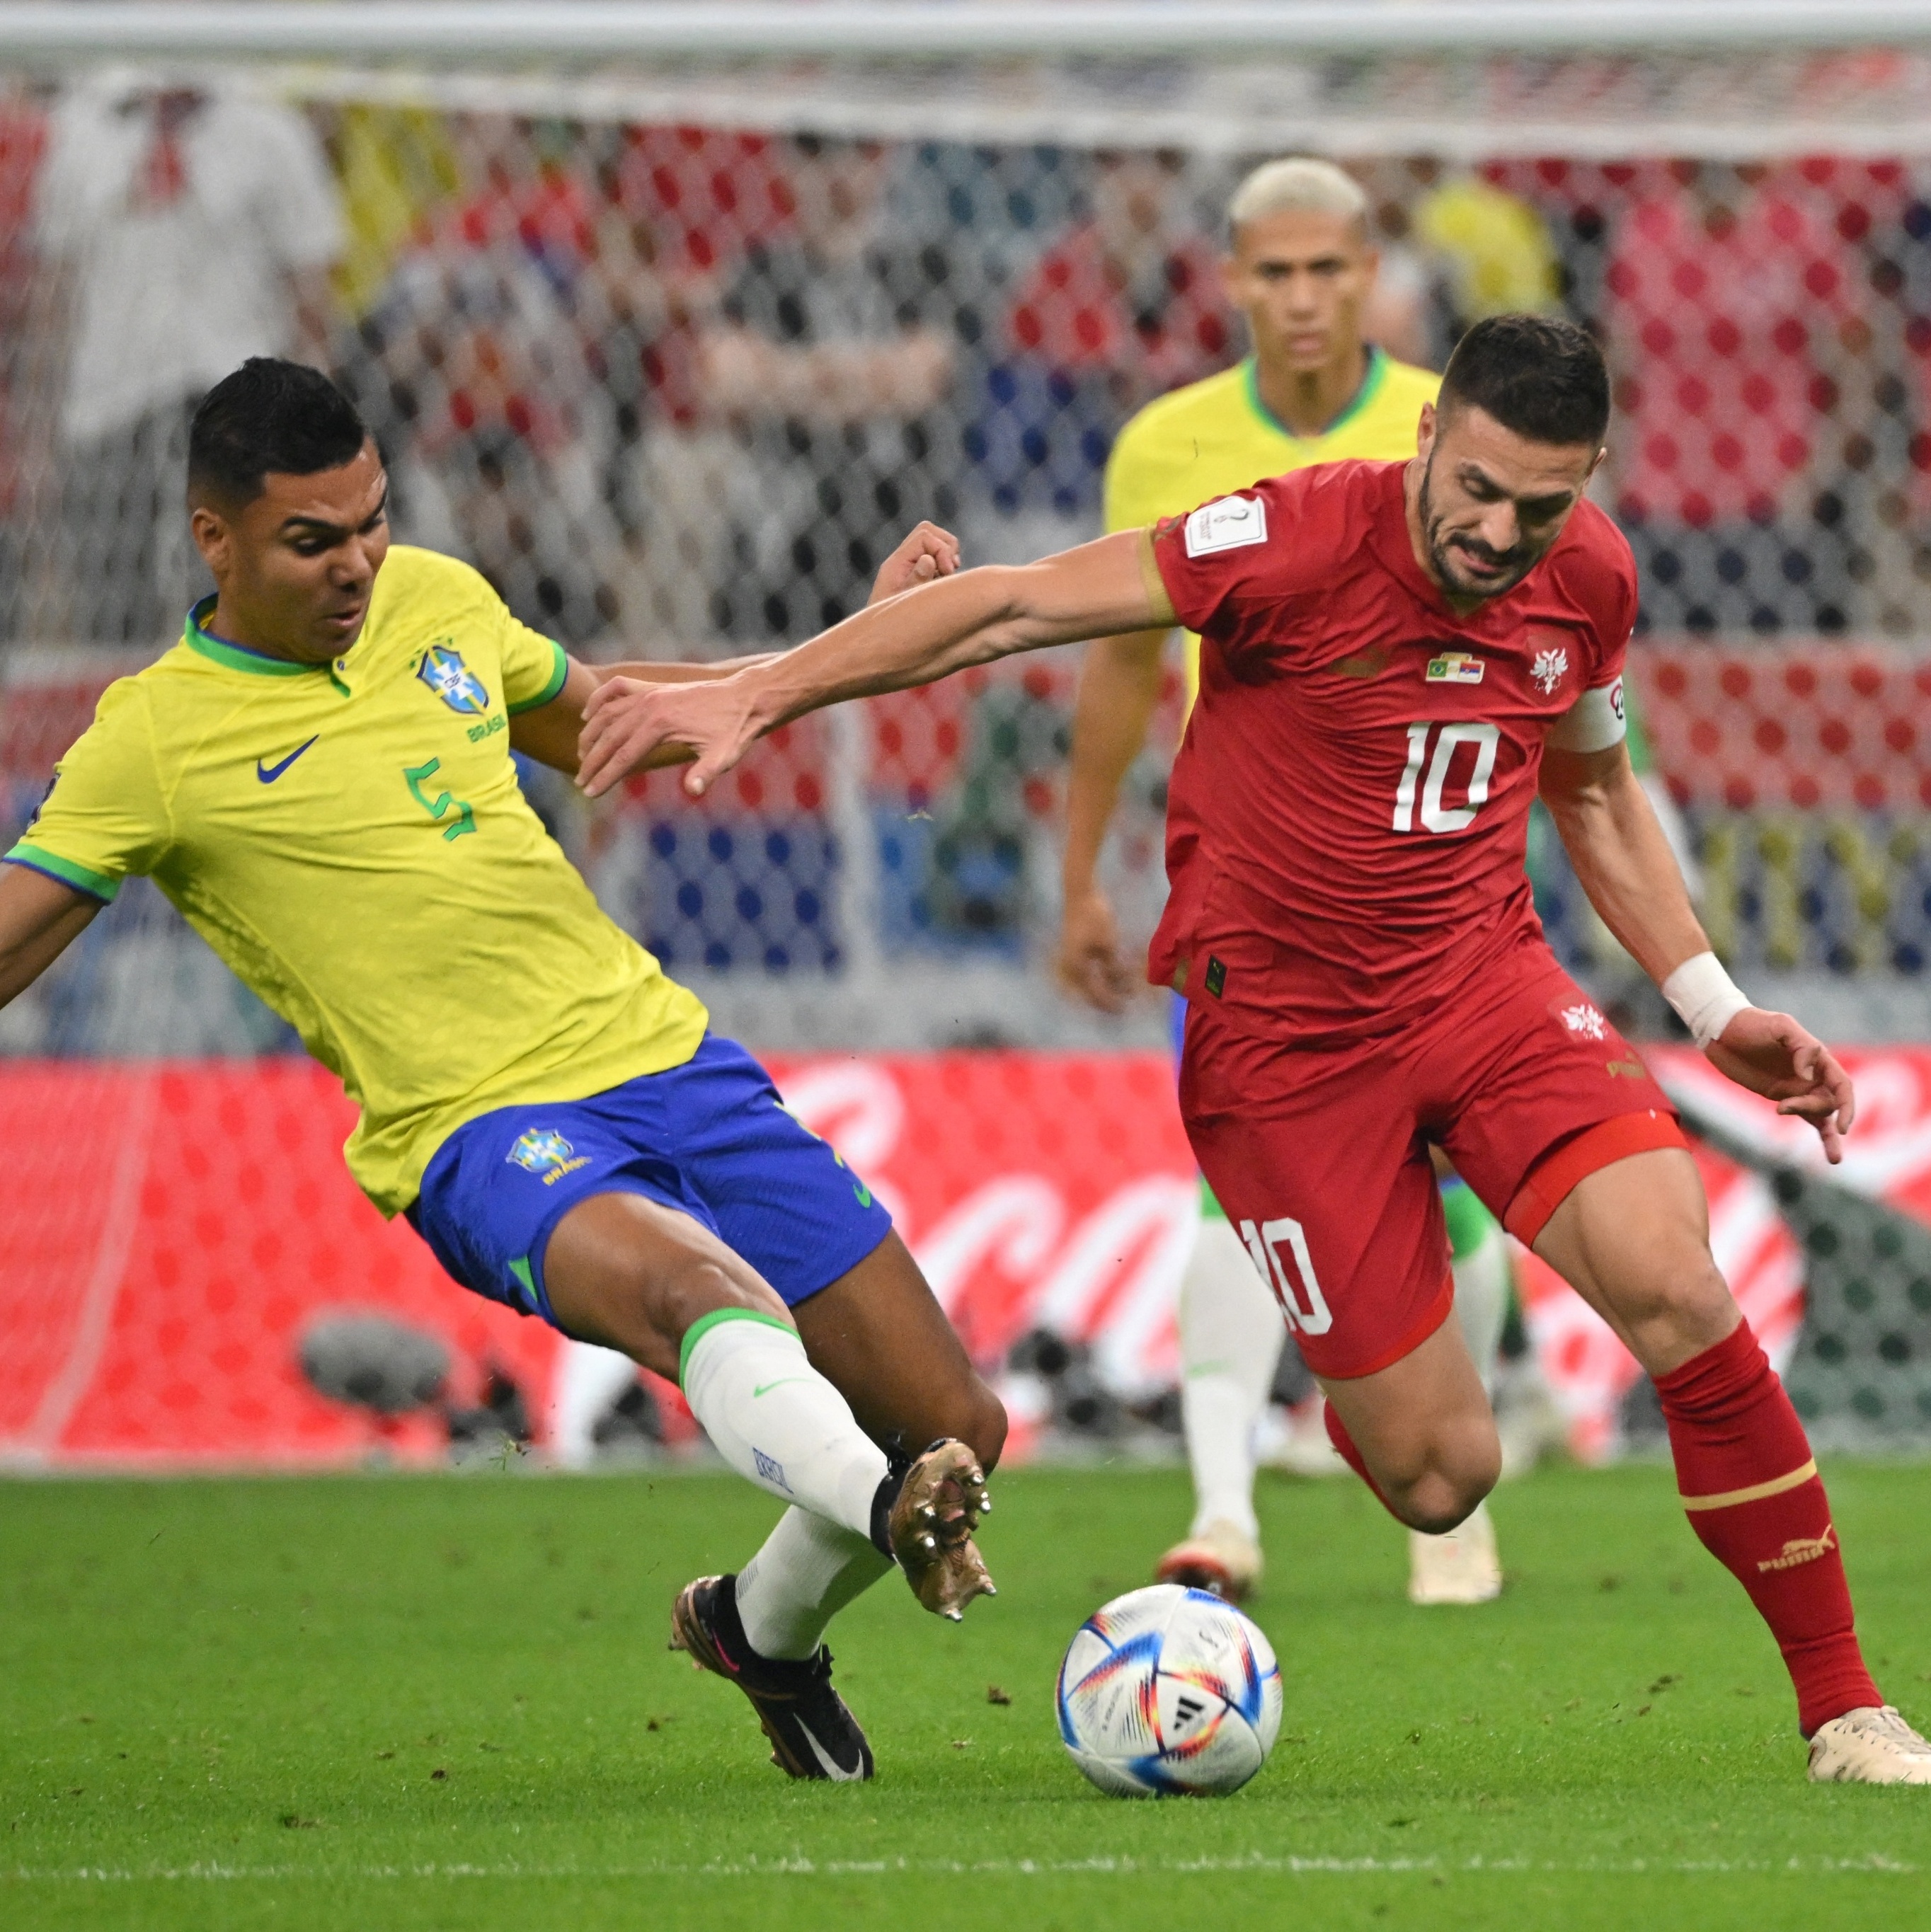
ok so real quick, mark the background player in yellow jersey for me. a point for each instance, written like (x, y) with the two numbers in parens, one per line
(1301, 271)
(319, 776)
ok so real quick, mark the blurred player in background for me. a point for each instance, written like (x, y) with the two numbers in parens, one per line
(319, 776)
(1301, 270)
(1397, 659)
(148, 177)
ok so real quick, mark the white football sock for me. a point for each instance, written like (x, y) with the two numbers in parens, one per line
(807, 1571)
(1231, 1334)
(588, 1380)
(1482, 1278)
(776, 1420)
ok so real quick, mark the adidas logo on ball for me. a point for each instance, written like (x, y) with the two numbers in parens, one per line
(1168, 1692)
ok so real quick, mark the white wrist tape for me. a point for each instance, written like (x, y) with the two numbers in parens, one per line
(1705, 997)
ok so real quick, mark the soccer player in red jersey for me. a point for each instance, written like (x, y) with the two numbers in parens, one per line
(1396, 658)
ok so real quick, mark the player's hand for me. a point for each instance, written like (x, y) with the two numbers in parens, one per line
(1089, 963)
(632, 727)
(930, 552)
(1771, 1055)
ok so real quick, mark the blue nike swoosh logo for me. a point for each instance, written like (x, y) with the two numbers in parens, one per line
(268, 774)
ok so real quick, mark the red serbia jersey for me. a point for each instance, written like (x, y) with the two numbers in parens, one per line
(1349, 811)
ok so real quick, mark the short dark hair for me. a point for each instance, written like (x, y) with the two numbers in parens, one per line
(1542, 377)
(269, 415)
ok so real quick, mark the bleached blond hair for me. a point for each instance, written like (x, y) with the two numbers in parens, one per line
(1298, 183)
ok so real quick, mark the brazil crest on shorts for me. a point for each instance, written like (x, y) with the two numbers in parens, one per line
(541, 1151)
(443, 670)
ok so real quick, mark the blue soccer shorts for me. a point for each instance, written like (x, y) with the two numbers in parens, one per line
(710, 1138)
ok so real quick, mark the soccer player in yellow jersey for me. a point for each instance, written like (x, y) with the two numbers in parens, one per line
(1301, 271)
(319, 776)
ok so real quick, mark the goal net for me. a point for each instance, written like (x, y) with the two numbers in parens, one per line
(672, 320)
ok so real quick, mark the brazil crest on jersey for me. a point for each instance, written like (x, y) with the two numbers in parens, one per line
(445, 672)
(351, 839)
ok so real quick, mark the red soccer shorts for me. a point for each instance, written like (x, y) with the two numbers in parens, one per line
(1318, 1153)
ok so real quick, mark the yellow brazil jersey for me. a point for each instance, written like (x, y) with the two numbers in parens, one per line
(1217, 437)
(351, 839)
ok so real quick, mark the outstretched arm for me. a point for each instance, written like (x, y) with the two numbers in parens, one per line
(1625, 867)
(550, 732)
(40, 917)
(1096, 590)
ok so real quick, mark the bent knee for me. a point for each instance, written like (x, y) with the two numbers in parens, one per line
(1436, 1509)
(649, 1307)
(1453, 1476)
(1671, 1315)
(675, 1298)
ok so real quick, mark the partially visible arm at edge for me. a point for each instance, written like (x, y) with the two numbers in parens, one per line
(39, 918)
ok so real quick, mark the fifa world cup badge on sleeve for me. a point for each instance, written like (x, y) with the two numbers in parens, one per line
(1227, 524)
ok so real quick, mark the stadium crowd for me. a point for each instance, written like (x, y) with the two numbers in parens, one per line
(682, 383)
(680, 388)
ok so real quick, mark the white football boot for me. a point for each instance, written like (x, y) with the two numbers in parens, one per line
(1870, 1745)
(1223, 1558)
(1461, 1567)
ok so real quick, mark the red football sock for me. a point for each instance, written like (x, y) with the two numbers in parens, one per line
(1338, 1435)
(1754, 1498)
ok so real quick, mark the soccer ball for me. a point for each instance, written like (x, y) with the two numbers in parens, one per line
(1168, 1692)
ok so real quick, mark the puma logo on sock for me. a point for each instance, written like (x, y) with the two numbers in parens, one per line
(1802, 1550)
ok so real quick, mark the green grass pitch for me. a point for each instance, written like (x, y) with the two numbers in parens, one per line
(404, 1703)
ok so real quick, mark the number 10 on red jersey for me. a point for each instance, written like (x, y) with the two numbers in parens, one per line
(1437, 815)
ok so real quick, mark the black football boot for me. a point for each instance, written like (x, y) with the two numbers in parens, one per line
(812, 1734)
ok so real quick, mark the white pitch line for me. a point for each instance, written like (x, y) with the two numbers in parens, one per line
(795, 1867)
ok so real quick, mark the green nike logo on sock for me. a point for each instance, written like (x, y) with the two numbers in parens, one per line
(767, 1388)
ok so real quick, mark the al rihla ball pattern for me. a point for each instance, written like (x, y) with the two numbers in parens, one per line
(1168, 1692)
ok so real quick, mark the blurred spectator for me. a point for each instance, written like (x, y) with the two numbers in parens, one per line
(823, 362)
(1494, 247)
(1124, 305)
(1733, 310)
(26, 352)
(1403, 314)
(1455, 246)
(197, 225)
(706, 197)
(490, 334)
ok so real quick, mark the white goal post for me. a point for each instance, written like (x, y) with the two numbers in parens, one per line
(467, 30)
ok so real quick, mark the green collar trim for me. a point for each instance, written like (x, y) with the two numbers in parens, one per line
(1376, 373)
(237, 657)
